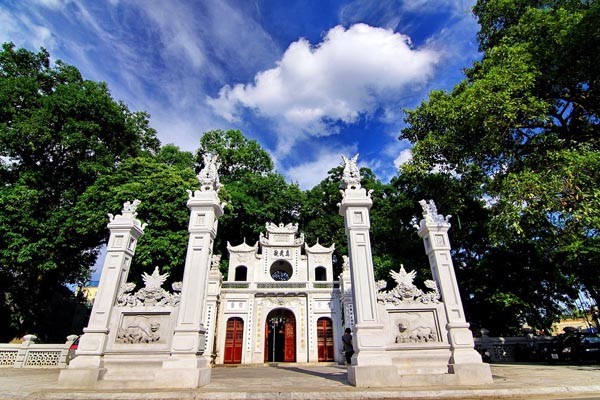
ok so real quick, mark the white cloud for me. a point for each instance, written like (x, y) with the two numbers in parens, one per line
(430, 6)
(458, 47)
(350, 73)
(309, 174)
(207, 38)
(401, 15)
(20, 29)
(53, 4)
(155, 55)
(176, 26)
(404, 157)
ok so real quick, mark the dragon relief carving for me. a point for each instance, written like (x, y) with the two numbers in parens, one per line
(152, 294)
(139, 330)
(409, 333)
(405, 290)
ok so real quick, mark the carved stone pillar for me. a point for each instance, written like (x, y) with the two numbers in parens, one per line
(125, 230)
(215, 279)
(370, 363)
(187, 363)
(465, 361)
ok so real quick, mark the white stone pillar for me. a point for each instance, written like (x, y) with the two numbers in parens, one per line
(125, 230)
(355, 207)
(465, 361)
(371, 366)
(187, 363)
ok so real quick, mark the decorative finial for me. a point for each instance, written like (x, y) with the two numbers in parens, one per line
(131, 207)
(209, 175)
(430, 213)
(351, 174)
(346, 263)
(215, 261)
(128, 213)
(155, 280)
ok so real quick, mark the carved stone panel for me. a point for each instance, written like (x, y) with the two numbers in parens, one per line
(415, 327)
(140, 328)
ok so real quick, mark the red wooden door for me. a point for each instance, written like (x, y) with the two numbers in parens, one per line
(290, 338)
(234, 341)
(325, 339)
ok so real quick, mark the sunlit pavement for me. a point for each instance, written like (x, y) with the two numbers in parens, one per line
(297, 381)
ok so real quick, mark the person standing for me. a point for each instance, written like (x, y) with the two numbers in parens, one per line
(348, 348)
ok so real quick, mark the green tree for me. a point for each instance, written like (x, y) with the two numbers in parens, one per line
(523, 127)
(320, 218)
(238, 155)
(160, 182)
(58, 134)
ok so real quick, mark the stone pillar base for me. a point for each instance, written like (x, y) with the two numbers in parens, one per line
(472, 374)
(373, 375)
(80, 377)
(187, 371)
(142, 373)
(153, 378)
(182, 378)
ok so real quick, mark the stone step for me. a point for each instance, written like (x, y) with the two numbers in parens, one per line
(130, 374)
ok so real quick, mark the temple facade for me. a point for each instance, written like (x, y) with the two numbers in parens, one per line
(279, 303)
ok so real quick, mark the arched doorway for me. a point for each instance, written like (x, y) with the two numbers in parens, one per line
(234, 341)
(325, 339)
(280, 336)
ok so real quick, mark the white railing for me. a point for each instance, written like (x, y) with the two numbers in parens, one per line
(235, 285)
(281, 285)
(326, 285)
(31, 355)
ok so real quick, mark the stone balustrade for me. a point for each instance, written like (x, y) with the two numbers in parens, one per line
(33, 355)
(280, 285)
(493, 349)
(508, 349)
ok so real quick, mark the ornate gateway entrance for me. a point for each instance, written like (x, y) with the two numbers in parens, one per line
(279, 287)
(280, 336)
(325, 339)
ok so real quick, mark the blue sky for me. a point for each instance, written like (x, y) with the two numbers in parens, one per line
(309, 80)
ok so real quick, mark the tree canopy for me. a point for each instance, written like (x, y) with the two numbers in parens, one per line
(523, 126)
(58, 134)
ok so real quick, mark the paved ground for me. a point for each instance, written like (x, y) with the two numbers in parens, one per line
(295, 381)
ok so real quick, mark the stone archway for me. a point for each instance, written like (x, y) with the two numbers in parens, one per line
(280, 336)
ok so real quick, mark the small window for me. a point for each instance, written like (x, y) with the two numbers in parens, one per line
(320, 274)
(241, 273)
